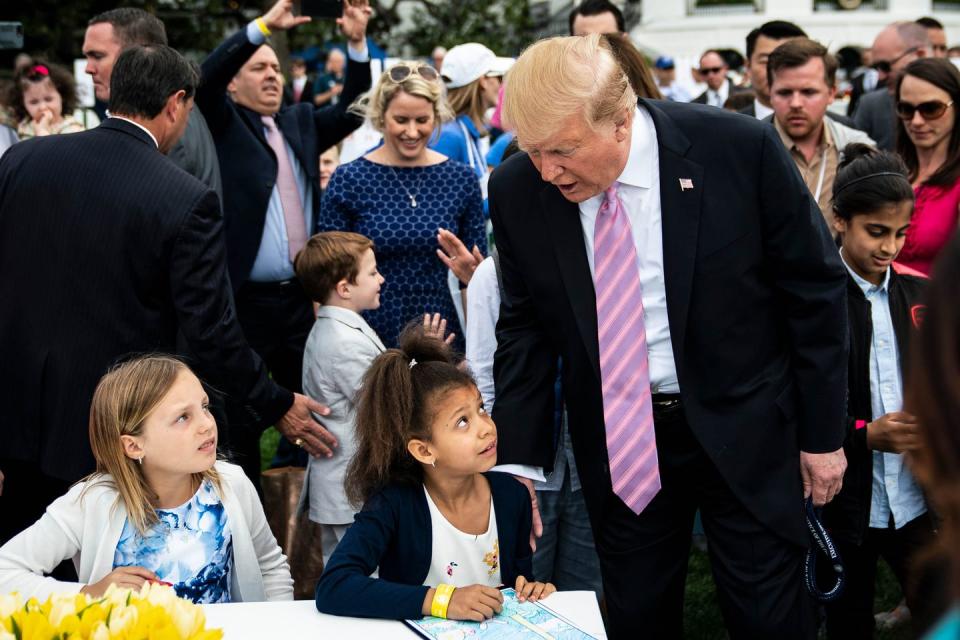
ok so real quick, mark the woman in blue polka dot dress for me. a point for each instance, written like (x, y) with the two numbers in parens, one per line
(401, 193)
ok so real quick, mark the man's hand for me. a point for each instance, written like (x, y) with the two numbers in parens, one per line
(299, 427)
(537, 529)
(353, 23)
(822, 475)
(280, 17)
(454, 254)
(895, 432)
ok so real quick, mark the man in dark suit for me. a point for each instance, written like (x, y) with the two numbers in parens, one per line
(693, 293)
(269, 159)
(713, 70)
(896, 46)
(107, 35)
(299, 88)
(108, 249)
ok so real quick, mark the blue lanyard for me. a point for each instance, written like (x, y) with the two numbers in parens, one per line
(822, 543)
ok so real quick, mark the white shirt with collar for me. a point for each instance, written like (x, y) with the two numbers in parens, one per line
(639, 189)
(718, 97)
(139, 126)
(761, 111)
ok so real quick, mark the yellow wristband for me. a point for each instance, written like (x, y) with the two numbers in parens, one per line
(441, 600)
(262, 26)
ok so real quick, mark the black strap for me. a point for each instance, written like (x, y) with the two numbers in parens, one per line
(822, 543)
(496, 265)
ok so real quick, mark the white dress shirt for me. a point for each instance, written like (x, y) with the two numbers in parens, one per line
(639, 189)
(761, 111)
(140, 126)
(718, 97)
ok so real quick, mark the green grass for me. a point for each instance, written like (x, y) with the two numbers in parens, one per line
(702, 619)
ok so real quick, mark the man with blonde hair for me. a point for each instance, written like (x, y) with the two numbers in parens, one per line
(692, 292)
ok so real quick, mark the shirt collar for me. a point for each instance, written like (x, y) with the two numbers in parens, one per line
(761, 110)
(638, 172)
(826, 140)
(866, 286)
(137, 124)
(346, 316)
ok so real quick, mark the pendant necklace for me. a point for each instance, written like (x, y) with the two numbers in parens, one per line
(412, 196)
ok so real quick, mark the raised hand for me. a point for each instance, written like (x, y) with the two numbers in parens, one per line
(280, 17)
(436, 326)
(353, 23)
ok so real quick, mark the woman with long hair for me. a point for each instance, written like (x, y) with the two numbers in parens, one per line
(928, 140)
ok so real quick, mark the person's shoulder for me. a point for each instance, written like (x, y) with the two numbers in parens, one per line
(233, 477)
(517, 167)
(700, 121)
(454, 168)
(505, 485)
(912, 282)
(874, 99)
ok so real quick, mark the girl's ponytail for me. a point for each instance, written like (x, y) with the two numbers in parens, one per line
(393, 408)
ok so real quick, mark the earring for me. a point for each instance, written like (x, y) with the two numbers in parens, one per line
(434, 464)
(140, 460)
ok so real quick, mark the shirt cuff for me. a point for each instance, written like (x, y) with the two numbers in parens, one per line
(522, 470)
(254, 35)
(357, 55)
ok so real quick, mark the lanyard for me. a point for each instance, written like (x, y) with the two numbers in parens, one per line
(823, 168)
(824, 544)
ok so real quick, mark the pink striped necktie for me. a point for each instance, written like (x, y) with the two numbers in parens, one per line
(624, 369)
(293, 216)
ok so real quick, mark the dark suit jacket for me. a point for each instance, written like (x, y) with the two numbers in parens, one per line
(393, 532)
(755, 299)
(305, 96)
(750, 110)
(196, 154)
(107, 249)
(702, 98)
(247, 164)
(875, 115)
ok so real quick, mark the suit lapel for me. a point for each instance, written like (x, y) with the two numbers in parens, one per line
(680, 206)
(562, 218)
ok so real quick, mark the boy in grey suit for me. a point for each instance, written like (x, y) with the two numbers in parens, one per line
(338, 270)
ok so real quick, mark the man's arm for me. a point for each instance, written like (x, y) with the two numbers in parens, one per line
(810, 279)
(525, 363)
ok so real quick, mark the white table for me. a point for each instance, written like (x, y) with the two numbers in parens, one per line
(300, 619)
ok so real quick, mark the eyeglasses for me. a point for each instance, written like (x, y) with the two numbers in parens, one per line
(400, 72)
(885, 66)
(928, 110)
(710, 70)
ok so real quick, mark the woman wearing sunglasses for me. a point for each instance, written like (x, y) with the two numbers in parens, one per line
(401, 193)
(928, 140)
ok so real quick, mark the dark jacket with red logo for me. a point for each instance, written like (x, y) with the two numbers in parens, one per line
(848, 515)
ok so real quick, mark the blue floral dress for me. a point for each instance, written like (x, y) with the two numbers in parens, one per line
(191, 547)
(400, 209)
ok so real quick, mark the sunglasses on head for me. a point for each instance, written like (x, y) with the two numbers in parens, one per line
(885, 66)
(400, 72)
(709, 70)
(928, 110)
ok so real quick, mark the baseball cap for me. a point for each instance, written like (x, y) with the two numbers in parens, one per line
(664, 62)
(467, 62)
(500, 66)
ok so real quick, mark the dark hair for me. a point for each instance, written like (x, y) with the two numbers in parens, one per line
(33, 73)
(775, 30)
(933, 395)
(144, 77)
(798, 52)
(929, 23)
(394, 406)
(863, 184)
(596, 8)
(740, 100)
(329, 258)
(943, 75)
(633, 64)
(133, 26)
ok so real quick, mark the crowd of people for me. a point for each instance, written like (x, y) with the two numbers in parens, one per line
(562, 308)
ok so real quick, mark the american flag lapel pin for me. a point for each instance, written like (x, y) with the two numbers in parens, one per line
(686, 183)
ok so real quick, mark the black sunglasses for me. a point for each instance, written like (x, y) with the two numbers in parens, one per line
(400, 72)
(885, 66)
(928, 110)
(708, 70)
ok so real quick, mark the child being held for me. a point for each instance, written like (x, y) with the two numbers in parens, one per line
(43, 98)
(159, 507)
(338, 270)
(442, 529)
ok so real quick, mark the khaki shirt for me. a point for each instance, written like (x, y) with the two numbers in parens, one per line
(810, 171)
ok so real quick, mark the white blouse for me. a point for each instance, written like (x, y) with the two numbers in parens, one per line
(462, 559)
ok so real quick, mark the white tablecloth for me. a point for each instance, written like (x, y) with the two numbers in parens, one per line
(300, 619)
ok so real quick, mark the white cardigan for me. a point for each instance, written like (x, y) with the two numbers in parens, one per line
(88, 530)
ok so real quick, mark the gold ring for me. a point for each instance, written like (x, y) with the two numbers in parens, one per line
(298, 442)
